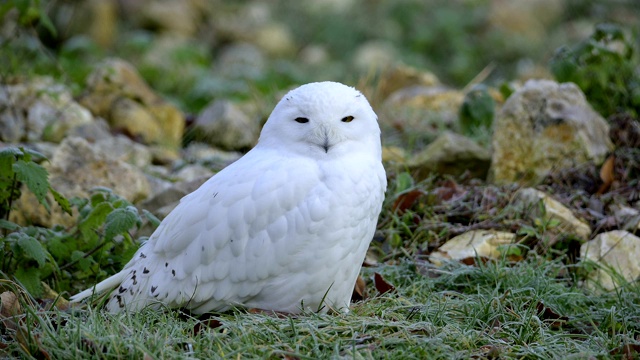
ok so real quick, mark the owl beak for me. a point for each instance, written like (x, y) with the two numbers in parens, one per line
(325, 144)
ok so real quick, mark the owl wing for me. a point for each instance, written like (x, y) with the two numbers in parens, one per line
(224, 238)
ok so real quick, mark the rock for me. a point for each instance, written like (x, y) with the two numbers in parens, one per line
(451, 154)
(552, 210)
(124, 149)
(164, 201)
(423, 108)
(93, 131)
(401, 77)
(314, 55)
(374, 56)
(223, 124)
(544, 126)
(619, 250)
(177, 17)
(472, 244)
(275, 39)
(39, 110)
(192, 172)
(76, 168)
(212, 158)
(117, 93)
(241, 60)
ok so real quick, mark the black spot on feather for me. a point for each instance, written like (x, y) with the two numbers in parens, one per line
(145, 271)
(142, 255)
(173, 272)
(166, 264)
(122, 289)
(153, 289)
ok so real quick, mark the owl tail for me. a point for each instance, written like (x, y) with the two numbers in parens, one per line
(105, 285)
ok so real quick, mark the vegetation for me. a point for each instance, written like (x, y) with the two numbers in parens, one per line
(530, 304)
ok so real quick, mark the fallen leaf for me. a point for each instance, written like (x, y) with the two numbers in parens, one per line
(607, 174)
(9, 307)
(382, 285)
(406, 200)
(546, 313)
(628, 351)
(359, 290)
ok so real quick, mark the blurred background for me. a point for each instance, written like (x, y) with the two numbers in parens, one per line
(194, 50)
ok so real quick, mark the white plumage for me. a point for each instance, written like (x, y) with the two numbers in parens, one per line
(284, 228)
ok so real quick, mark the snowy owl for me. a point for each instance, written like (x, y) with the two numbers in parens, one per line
(285, 228)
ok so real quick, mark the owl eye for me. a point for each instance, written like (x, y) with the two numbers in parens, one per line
(301, 120)
(347, 119)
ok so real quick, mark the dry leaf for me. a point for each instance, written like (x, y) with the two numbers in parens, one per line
(406, 200)
(359, 291)
(546, 313)
(607, 174)
(382, 285)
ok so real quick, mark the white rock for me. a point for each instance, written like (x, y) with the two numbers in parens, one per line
(482, 243)
(553, 210)
(619, 250)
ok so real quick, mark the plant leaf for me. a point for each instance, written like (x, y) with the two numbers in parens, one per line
(35, 177)
(32, 248)
(30, 279)
(61, 200)
(120, 220)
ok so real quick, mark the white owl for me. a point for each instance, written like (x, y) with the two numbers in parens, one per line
(284, 228)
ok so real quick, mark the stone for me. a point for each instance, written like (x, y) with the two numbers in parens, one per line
(402, 76)
(374, 56)
(124, 149)
(275, 39)
(543, 126)
(116, 92)
(618, 250)
(75, 168)
(241, 60)
(224, 125)
(192, 172)
(552, 209)
(39, 109)
(212, 158)
(472, 244)
(422, 109)
(162, 202)
(451, 154)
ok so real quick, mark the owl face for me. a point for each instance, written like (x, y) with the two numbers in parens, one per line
(322, 120)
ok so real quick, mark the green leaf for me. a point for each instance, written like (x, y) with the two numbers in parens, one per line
(35, 177)
(61, 200)
(32, 248)
(95, 219)
(30, 279)
(5, 224)
(403, 182)
(120, 221)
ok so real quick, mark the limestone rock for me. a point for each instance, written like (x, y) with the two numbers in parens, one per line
(481, 243)
(619, 250)
(542, 126)
(76, 168)
(124, 149)
(223, 124)
(116, 92)
(39, 109)
(374, 56)
(552, 210)
(403, 76)
(451, 154)
(275, 39)
(421, 109)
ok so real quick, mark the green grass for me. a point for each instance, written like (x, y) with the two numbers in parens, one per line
(529, 309)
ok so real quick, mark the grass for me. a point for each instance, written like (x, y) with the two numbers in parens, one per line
(530, 309)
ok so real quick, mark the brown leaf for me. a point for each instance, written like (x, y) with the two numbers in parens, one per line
(546, 313)
(607, 174)
(449, 191)
(382, 285)
(406, 200)
(359, 291)
(9, 308)
(628, 351)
